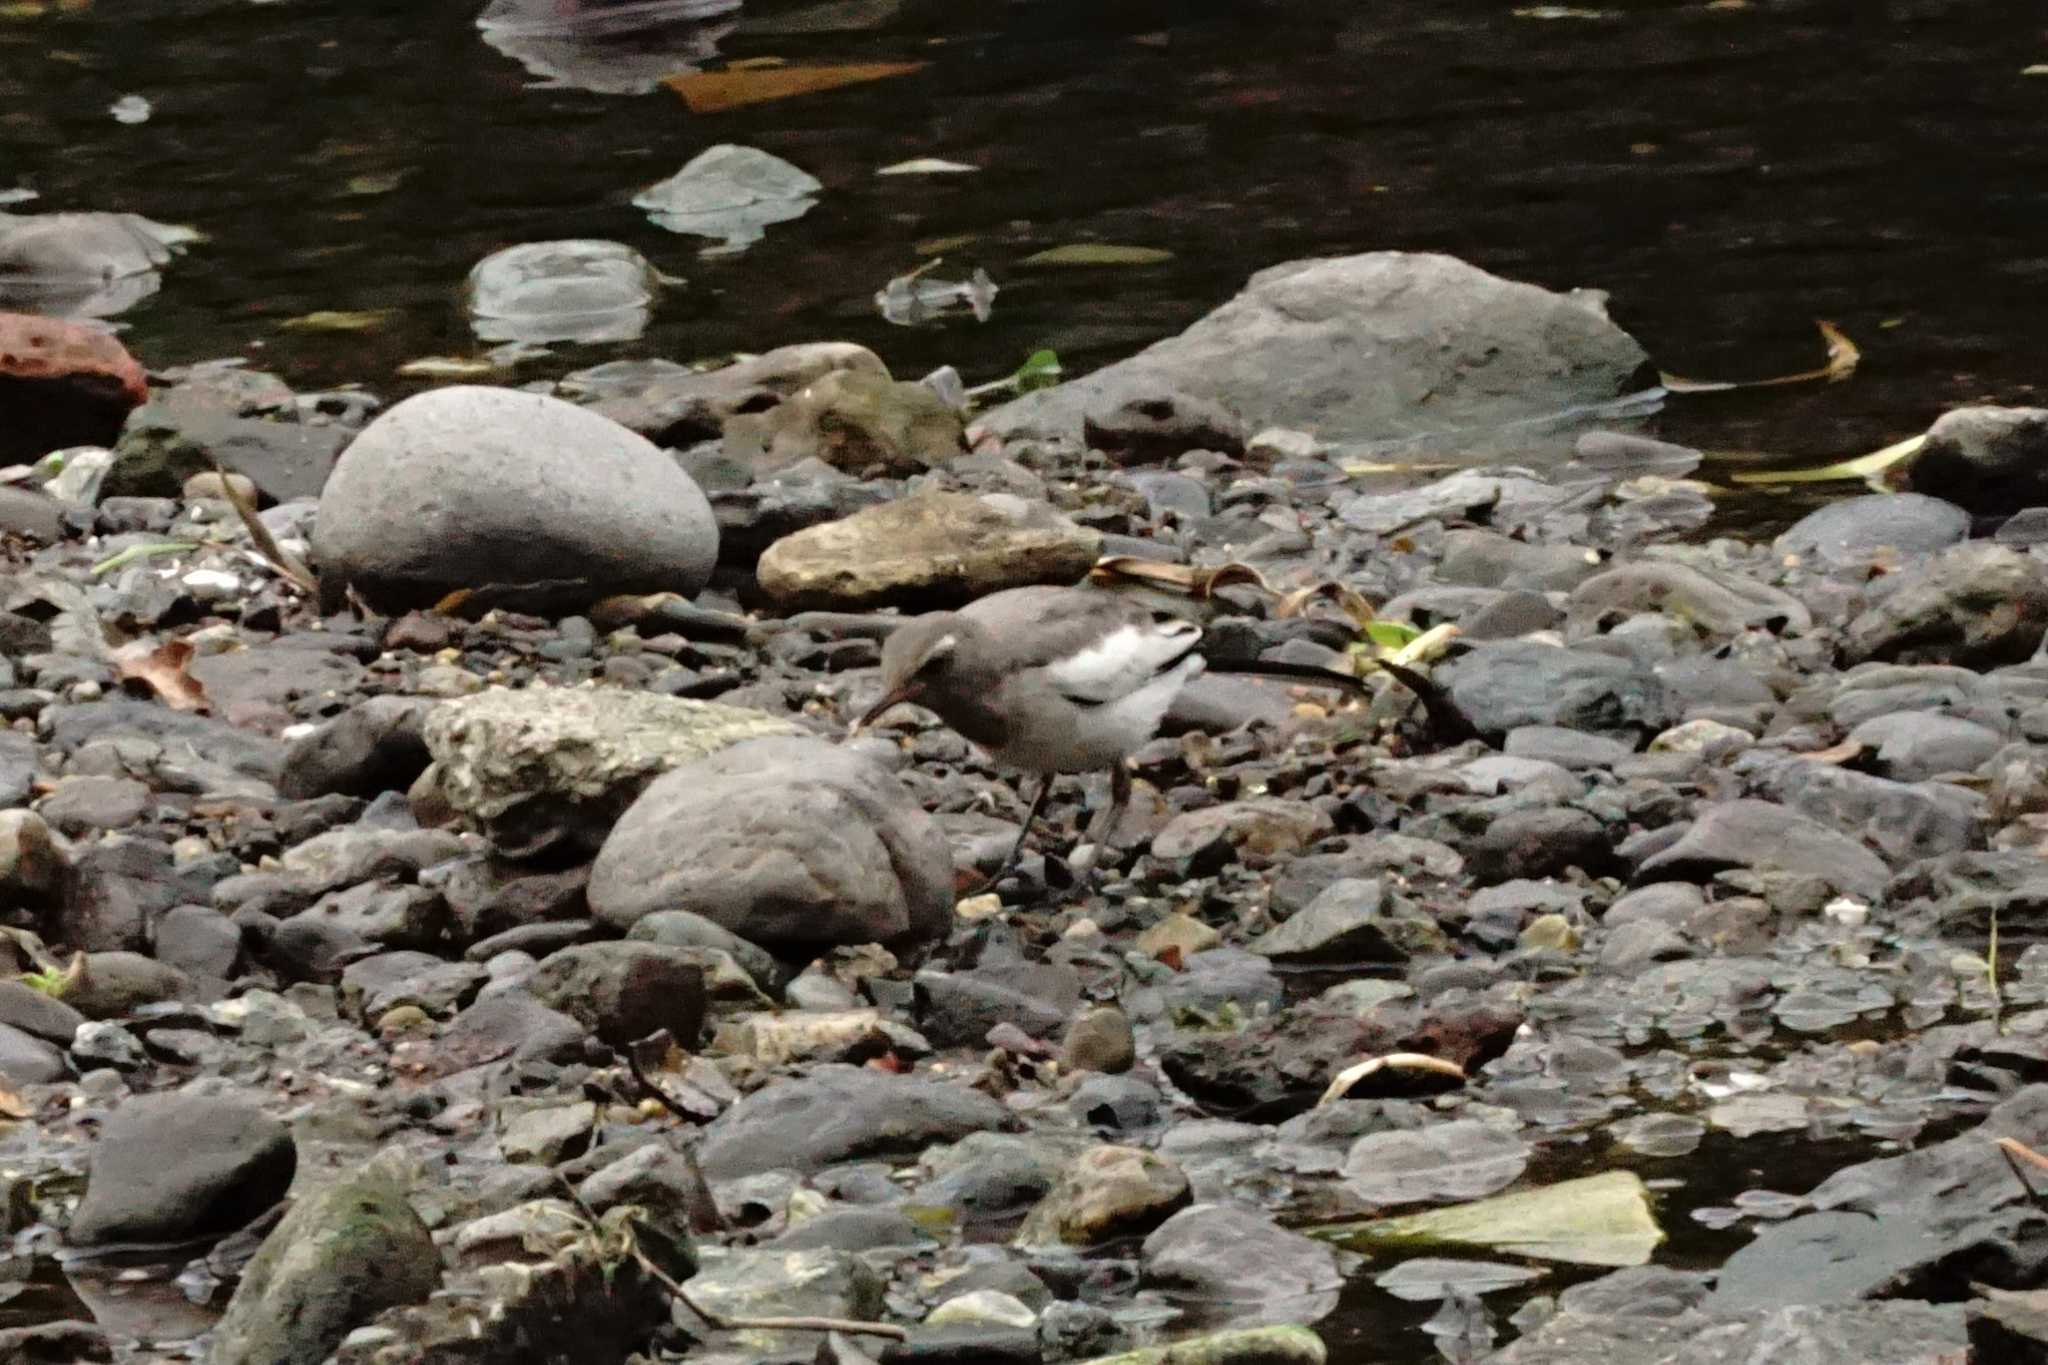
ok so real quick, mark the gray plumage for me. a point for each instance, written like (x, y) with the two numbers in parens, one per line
(1050, 680)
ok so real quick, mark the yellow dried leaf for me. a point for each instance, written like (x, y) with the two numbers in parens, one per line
(712, 92)
(1843, 357)
(1844, 752)
(333, 320)
(1420, 1062)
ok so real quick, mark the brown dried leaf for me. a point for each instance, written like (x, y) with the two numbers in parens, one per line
(1348, 599)
(161, 668)
(1189, 579)
(13, 1106)
(1115, 569)
(628, 610)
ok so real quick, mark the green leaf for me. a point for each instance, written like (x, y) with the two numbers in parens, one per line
(1040, 370)
(1392, 634)
(51, 981)
(1098, 253)
(137, 552)
(1599, 1220)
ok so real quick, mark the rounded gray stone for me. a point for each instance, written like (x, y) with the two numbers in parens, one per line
(1856, 530)
(466, 486)
(182, 1164)
(790, 843)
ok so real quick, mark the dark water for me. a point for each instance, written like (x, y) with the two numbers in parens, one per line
(1728, 174)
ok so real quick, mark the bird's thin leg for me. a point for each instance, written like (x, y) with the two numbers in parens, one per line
(1102, 827)
(1030, 818)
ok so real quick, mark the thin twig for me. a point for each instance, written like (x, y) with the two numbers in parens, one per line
(2014, 1152)
(705, 1215)
(266, 544)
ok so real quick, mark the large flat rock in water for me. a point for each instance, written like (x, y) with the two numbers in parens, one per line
(1416, 352)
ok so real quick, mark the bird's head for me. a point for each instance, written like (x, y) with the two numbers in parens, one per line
(917, 657)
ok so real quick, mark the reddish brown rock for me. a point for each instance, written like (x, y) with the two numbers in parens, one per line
(62, 384)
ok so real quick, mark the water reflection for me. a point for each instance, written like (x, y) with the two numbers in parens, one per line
(605, 46)
(82, 265)
(582, 291)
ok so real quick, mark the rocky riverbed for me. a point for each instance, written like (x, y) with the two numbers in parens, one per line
(449, 921)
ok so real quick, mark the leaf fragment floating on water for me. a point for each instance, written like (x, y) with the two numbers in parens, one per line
(928, 165)
(335, 320)
(1870, 468)
(1600, 1220)
(1843, 357)
(713, 92)
(1097, 253)
(447, 367)
(915, 297)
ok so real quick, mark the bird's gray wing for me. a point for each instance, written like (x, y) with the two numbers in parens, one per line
(1091, 647)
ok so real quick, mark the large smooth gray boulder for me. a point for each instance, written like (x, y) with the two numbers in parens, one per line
(180, 1164)
(793, 844)
(467, 486)
(1385, 347)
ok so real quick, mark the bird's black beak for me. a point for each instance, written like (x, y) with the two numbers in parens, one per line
(908, 692)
